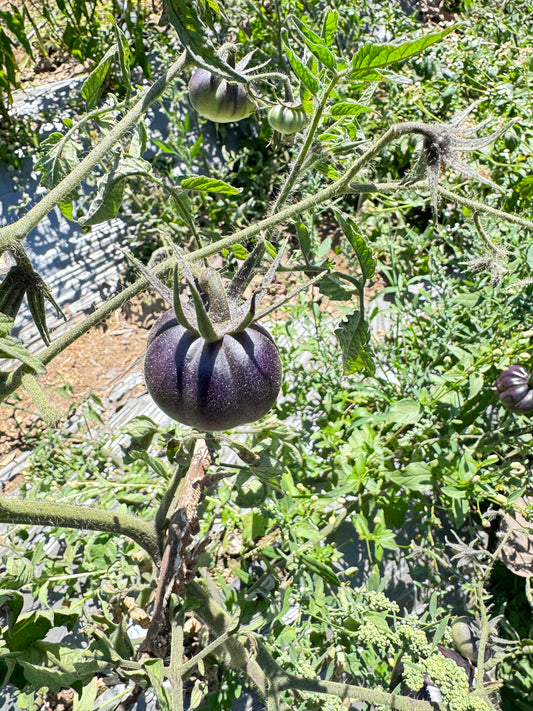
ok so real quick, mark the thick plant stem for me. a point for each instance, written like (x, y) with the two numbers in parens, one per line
(21, 228)
(38, 513)
(176, 657)
(47, 411)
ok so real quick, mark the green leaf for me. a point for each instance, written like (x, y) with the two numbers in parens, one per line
(11, 348)
(138, 140)
(67, 209)
(304, 238)
(195, 38)
(108, 199)
(440, 632)
(156, 673)
(60, 159)
(123, 56)
(18, 573)
(358, 242)
(307, 78)
(66, 617)
(6, 324)
(329, 26)
(316, 45)
(416, 476)
(28, 629)
(320, 568)
(335, 289)
(354, 337)
(11, 603)
(14, 21)
(305, 529)
(92, 87)
(404, 412)
(40, 676)
(371, 56)
(88, 697)
(140, 427)
(239, 251)
(212, 185)
(255, 526)
(348, 108)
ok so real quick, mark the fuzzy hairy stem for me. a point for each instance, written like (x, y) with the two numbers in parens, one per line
(304, 150)
(20, 229)
(49, 413)
(485, 209)
(176, 657)
(39, 513)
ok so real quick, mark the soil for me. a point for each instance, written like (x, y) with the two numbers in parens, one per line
(93, 364)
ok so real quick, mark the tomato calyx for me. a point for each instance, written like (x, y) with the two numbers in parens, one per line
(213, 310)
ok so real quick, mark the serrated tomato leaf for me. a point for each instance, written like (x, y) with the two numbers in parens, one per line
(308, 79)
(354, 338)
(329, 26)
(316, 45)
(60, 159)
(358, 243)
(110, 191)
(371, 56)
(93, 87)
(348, 108)
(211, 185)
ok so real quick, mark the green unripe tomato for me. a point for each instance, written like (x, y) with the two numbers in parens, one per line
(217, 100)
(465, 639)
(287, 119)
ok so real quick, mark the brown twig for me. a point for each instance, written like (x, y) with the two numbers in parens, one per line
(180, 556)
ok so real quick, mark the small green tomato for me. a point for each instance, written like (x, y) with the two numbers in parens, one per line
(287, 119)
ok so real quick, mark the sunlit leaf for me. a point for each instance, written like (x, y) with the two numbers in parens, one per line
(359, 244)
(316, 45)
(354, 338)
(371, 56)
(209, 185)
(307, 78)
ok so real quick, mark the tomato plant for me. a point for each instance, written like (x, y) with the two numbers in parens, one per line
(382, 441)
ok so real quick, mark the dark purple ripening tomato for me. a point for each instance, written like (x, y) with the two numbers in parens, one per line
(211, 386)
(514, 389)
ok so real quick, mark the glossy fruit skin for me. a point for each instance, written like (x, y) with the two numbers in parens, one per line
(514, 390)
(211, 386)
(287, 119)
(218, 100)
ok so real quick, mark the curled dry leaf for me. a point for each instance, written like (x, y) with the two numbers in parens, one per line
(137, 613)
(517, 553)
